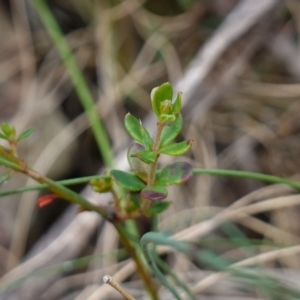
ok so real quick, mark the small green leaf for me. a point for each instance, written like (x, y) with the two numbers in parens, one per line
(133, 127)
(160, 94)
(154, 193)
(176, 149)
(155, 106)
(25, 134)
(2, 136)
(170, 131)
(138, 167)
(147, 140)
(102, 184)
(145, 156)
(177, 104)
(127, 180)
(8, 130)
(163, 118)
(157, 208)
(176, 173)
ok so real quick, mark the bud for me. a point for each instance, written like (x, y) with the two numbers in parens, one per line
(160, 94)
(8, 130)
(166, 107)
(102, 184)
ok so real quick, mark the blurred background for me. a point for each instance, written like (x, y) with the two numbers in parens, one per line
(238, 66)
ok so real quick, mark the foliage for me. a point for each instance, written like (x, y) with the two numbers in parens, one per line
(145, 177)
(139, 193)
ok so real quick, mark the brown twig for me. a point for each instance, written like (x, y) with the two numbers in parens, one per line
(109, 280)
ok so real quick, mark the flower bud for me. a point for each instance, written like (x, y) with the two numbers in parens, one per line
(166, 107)
(102, 184)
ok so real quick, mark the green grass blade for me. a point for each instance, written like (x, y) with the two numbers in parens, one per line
(248, 175)
(163, 266)
(77, 78)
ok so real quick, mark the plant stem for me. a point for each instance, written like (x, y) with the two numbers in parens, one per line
(77, 78)
(43, 186)
(248, 175)
(213, 172)
(152, 166)
(75, 198)
(55, 187)
(152, 170)
(143, 272)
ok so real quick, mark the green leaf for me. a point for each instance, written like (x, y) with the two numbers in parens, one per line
(154, 193)
(147, 140)
(2, 136)
(177, 104)
(163, 118)
(133, 127)
(127, 180)
(25, 134)
(102, 184)
(176, 149)
(145, 156)
(160, 94)
(138, 167)
(176, 173)
(155, 106)
(170, 131)
(8, 130)
(157, 208)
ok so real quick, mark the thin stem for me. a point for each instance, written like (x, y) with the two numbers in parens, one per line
(77, 78)
(109, 280)
(152, 167)
(143, 272)
(213, 172)
(43, 186)
(248, 175)
(152, 170)
(54, 187)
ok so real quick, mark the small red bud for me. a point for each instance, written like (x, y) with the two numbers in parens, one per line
(45, 200)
